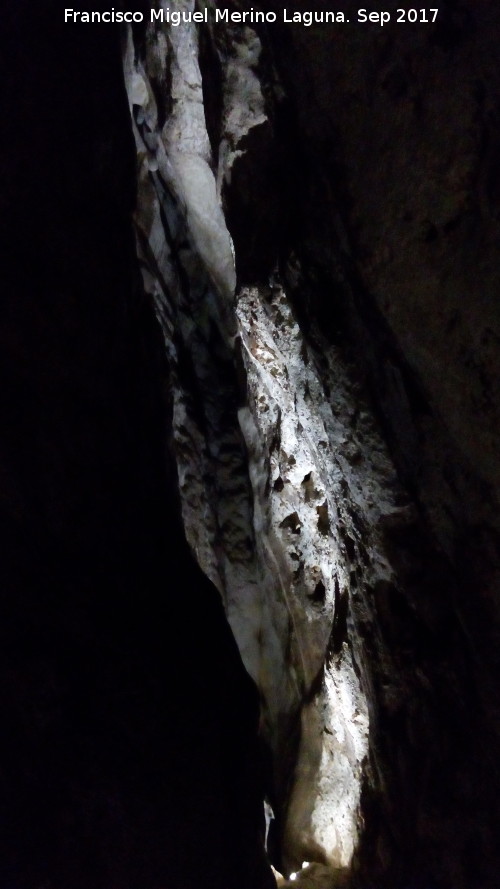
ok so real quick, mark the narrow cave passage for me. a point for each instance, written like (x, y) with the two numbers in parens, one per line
(249, 454)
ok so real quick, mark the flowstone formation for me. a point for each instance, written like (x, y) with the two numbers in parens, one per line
(260, 471)
(311, 461)
(249, 338)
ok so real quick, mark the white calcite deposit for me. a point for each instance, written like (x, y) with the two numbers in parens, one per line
(283, 476)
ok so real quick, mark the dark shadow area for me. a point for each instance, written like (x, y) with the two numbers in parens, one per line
(362, 261)
(128, 724)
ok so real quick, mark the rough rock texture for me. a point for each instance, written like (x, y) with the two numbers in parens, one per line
(317, 234)
(401, 255)
(347, 510)
(271, 535)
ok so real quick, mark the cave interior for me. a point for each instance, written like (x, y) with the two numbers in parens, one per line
(249, 453)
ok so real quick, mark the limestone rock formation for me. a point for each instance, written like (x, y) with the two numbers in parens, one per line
(250, 354)
(333, 523)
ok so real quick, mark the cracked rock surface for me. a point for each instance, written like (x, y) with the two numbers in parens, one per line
(324, 435)
(322, 454)
(249, 454)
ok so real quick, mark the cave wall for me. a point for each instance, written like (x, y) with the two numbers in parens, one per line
(250, 284)
(396, 132)
(348, 507)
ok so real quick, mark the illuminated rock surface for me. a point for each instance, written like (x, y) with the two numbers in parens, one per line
(250, 298)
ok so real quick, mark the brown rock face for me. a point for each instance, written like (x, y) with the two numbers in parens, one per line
(400, 127)
(398, 226)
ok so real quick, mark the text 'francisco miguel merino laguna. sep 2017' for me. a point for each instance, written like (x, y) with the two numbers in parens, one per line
(255, 16)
